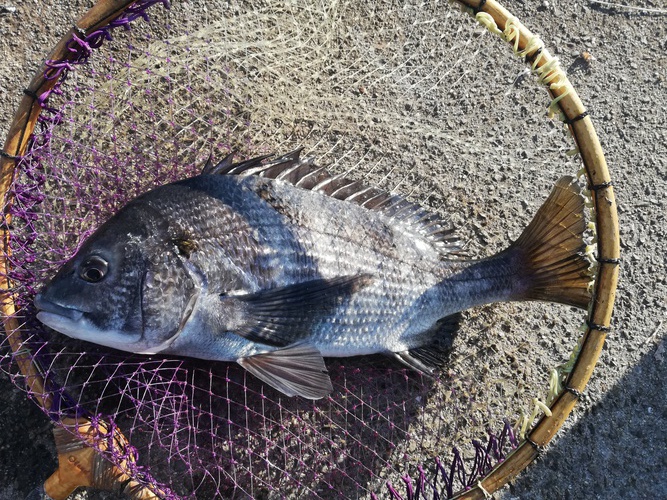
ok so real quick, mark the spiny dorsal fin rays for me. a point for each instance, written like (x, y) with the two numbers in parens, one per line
(220, 167)
(208, 166)
(253, 166)
(304, 174)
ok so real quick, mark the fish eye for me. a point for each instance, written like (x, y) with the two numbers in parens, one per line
(93, 269)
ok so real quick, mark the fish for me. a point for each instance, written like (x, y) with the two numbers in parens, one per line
(276, 264)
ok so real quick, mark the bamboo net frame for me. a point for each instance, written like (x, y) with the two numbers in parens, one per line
(608, 246)
(77, 463)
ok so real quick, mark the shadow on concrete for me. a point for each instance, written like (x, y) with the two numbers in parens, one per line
(618, 449)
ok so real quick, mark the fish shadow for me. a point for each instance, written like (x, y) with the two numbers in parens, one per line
(211, 430)
(343, 446)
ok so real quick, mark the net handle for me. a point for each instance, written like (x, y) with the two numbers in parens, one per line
(76, 467)
(608, 247)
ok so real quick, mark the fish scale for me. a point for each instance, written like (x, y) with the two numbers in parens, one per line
(341, 247)
(277, 264)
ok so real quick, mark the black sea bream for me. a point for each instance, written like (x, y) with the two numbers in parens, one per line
(275, 265)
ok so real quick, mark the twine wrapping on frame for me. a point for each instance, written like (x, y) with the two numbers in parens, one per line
(608, 244)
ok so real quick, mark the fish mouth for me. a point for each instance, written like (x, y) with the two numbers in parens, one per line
(47, 309)
(74, 323)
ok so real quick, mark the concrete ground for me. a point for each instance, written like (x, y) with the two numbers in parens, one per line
(614, 445)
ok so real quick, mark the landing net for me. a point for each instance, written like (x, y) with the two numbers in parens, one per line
(421, 100)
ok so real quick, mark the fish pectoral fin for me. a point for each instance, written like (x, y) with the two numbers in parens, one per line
(285, 315)
(297, 370)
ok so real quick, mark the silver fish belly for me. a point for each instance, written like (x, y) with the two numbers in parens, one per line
(277, 265)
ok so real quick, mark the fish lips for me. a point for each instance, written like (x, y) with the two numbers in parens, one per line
(48, 309)
(73, 323)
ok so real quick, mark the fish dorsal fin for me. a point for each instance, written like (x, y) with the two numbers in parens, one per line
(303, 173)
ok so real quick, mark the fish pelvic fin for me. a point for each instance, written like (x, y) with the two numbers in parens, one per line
(552, 250)
(296, 370)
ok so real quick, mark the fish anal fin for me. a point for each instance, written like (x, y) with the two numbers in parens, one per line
(284, 315)
(296, 370)
(552, 249)
(407, 358)
(434, 353)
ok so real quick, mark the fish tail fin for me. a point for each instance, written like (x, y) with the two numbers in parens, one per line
(552, 249)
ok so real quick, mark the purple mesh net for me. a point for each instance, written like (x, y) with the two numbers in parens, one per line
(147, 110)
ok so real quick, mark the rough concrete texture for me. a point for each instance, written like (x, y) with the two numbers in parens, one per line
(614, 444)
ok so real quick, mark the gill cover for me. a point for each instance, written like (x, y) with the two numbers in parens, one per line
(168, 297)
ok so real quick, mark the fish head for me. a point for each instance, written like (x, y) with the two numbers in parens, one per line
(127, 287)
